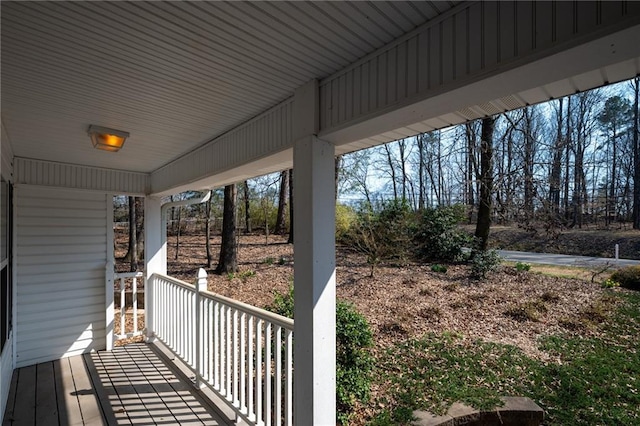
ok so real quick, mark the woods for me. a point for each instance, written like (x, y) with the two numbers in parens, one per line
(569, 163)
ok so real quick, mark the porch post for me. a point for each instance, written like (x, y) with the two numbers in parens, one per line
(314, 267)
(155, 256)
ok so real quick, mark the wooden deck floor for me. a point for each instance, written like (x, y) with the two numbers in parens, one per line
(131, 385)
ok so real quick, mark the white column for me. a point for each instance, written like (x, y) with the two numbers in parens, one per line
(155, 256)
(109, 272)
(155, 252)
(314, 278)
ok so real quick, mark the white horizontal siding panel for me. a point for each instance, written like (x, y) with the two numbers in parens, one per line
(34, 356)
(33, 344)
(46, 173)
(36, 314)
(65, 281)
(74, 327)
(54, 268)
(69, 248)
(59, 232)
(60, 289)
(6, 154)
(64, 289)
(6, 371)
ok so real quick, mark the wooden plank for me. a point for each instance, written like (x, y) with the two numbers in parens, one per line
(127, 397)
(46, 404)
(189, 397)
(139, 369)
(99, 386)
(68, 405)
(91, 412)
(24, 409)
(11, 399)
(115, 407)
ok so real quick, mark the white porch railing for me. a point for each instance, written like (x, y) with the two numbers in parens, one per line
(242, 353)
(121, 280)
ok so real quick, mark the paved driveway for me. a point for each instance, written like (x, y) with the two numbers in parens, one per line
(563, 259)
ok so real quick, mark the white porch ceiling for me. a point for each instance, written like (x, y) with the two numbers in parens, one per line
(206, 89)
(173, 74)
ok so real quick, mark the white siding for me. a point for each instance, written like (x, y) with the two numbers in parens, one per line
(61, 257)
(48, 173)
(6, 156)
(6, 370)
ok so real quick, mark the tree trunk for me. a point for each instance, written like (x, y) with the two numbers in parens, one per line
(556, 166)
(529, 151)
(568, 142)
(471, 149)
(178, 232)
(207, 232)
(290, 240)
(228, 262)
(132, 253)
(486, 183)
(247, 208)
(636, 156)
(281, 218)
(421, 178)
(392, 170)
(338, 167)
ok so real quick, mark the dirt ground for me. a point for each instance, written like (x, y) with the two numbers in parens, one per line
(402, 302)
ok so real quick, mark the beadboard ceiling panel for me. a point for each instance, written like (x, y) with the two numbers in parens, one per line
(173, 74)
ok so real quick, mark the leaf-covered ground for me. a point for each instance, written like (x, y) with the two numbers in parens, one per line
(408, 304)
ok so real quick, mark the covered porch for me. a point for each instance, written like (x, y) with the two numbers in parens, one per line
(133, 384)
(213, 93)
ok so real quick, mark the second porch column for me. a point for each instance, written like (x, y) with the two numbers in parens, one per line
(314, 280)
(155, 256)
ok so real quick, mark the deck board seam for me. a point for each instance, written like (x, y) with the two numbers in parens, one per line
(173, 387)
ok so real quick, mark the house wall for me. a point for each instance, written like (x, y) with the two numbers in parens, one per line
(6, 357)
(61, 257)
(6, 370)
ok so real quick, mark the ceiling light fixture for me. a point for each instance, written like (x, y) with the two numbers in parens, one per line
(107, 139)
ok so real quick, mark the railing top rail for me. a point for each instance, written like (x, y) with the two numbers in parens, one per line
(240, 306)
(138, 274)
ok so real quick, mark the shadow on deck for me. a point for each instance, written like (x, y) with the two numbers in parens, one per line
(132, 384)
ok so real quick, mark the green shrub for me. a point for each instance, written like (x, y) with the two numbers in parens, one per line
(483, 262)
(354, 361)
(346, 217)
(439, 268)
(282, 303)
(610, 283)
(628, 277)
(520, 266)
(383, 234)
(437, 236)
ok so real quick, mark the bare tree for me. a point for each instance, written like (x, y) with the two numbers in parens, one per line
(247, 207)
(556, 164)
(228, 261)
(486, 182)
(280, 227)
(290, 240)
(132, 252)
(636, 155)
(207, 232)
